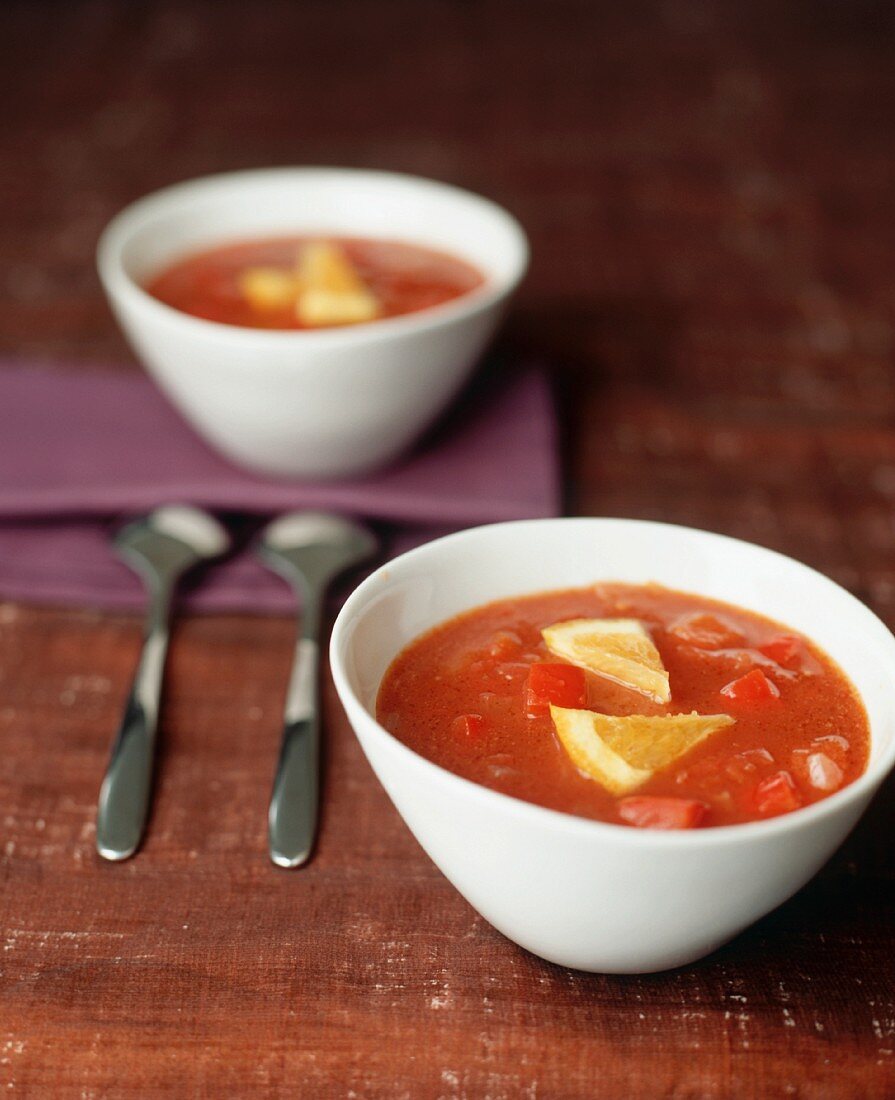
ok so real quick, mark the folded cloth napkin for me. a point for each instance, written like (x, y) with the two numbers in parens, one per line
(81, 450)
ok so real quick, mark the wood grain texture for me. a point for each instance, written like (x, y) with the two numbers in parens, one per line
(708, 189)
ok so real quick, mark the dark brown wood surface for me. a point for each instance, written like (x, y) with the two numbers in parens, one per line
(709, 193)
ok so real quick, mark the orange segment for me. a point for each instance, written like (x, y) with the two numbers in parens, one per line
(332, 292)
(269, 287)
(619, 649)
(623, 753)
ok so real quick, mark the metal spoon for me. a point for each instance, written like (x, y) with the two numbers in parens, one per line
(308, 549)
(160, 547)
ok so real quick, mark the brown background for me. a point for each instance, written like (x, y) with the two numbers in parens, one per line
(708, 190)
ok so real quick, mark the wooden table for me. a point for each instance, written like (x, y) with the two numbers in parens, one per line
(708, 190)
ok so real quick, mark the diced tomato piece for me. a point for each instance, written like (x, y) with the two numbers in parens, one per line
(712, 775)
(705, 631)
(468, 725)
(739, 768)
(754, 687)
(648, 811)
(561, 685)
(776, 795)
(505, 644)
(823, 773)
(834, 746)
(785, 649)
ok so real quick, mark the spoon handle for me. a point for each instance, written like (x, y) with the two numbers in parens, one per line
(292, 819)
(124, 796)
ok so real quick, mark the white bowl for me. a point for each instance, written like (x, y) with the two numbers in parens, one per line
(329, 402)
(578, 892)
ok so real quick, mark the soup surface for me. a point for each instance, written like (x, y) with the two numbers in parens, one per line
(305, 282)
(580, 720)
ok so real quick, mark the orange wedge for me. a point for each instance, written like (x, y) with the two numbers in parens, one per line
(269, 287)
(332, 292)
(619, 649)
(623, 753)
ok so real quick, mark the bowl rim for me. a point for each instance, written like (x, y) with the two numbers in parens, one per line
(804, 818)
(117, 281)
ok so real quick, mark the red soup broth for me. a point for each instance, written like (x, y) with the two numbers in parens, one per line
(459, 696)
(405, 278)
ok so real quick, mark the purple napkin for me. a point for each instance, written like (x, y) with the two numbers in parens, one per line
(81, 450)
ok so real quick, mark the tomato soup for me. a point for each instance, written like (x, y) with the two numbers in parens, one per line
(636, 705)
(303, 282)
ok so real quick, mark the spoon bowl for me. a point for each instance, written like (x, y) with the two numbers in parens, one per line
(312, 547)
(169, 541)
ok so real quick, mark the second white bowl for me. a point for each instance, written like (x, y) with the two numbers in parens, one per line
(326, 403)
